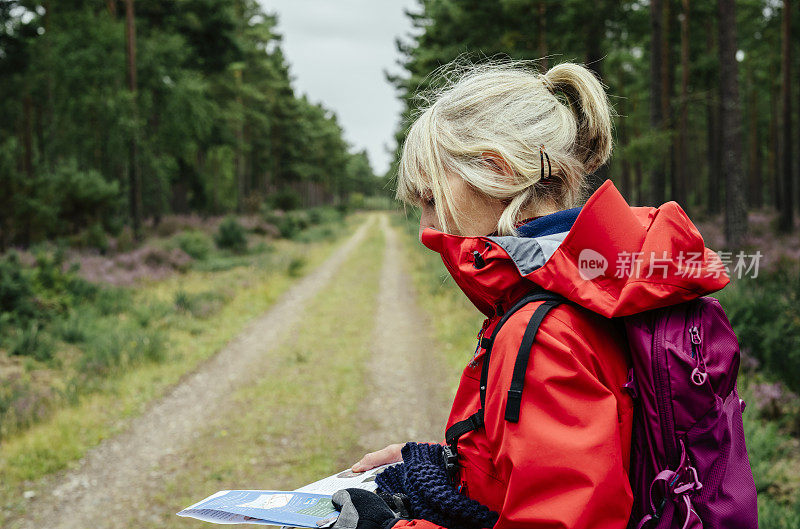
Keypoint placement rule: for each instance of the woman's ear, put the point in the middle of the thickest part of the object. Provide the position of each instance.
(497, 163)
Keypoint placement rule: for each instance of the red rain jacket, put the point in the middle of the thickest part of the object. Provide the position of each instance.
(565, 463)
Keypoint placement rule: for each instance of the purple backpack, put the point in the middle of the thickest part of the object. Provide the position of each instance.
(689, 466)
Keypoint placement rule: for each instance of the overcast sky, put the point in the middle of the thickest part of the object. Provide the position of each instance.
(337, 51)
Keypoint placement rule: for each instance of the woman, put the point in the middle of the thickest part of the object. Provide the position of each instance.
(498, 163)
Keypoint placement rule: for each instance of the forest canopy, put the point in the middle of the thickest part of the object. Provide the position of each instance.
(705, 91)
(114, 111)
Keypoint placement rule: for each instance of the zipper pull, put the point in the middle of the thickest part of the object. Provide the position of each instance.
(694, 333)
(698, 377)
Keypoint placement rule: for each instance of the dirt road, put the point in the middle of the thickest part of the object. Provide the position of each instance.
(108, 487)
(409, 400)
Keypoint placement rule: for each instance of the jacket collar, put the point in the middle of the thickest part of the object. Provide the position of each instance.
(593, 262)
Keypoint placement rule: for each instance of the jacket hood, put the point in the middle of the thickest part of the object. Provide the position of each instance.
(615, 260)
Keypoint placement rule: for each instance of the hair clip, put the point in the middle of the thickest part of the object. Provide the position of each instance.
(542, 154)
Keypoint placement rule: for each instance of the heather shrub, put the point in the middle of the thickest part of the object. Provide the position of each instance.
(42, 291)
(293, 222)
(16, 291)
(195, 243)
(231, 236)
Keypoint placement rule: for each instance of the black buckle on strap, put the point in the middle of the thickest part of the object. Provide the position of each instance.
(513, 404)
(450, 457)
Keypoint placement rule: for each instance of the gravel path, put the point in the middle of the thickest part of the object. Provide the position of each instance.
(104, 489)
(406, 398)
(409, 398)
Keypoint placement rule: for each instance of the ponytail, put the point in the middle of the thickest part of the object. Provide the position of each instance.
(585, 96)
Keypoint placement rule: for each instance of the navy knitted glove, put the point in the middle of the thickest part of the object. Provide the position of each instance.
(361, 509)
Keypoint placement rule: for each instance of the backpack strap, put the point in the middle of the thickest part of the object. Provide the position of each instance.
(476, 420)
(523, 355)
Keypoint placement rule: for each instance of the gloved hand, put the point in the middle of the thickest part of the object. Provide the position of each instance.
(362, 509)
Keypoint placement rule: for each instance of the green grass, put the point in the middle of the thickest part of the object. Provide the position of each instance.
(300, 420)
(96, 408)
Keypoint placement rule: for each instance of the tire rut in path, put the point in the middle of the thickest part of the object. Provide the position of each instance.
(106, 489)
(408, 391)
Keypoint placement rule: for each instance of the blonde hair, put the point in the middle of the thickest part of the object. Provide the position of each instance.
(507, 109)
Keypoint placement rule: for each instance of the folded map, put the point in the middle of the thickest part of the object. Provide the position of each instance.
(308, 506)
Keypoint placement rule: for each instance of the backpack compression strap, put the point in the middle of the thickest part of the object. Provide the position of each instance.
(476, 420)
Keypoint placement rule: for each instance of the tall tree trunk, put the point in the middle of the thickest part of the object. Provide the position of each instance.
(158, 190)
(179, 201)
(541, 22)
(786, 217)
(250, 175)
(755, 189)
(773, 142)
(276, 150)
(46, 107)
(27, 135)
(116, 167)
(594, 54)
(135, 189)
(735, 209)
(682, 163)
(712, 189)
(200, 163)
(637, 197)
(759, 169)
(714, 192)
(667, 96)
(41, 142)
(623, 137)
(241, 190)
(657, 177)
